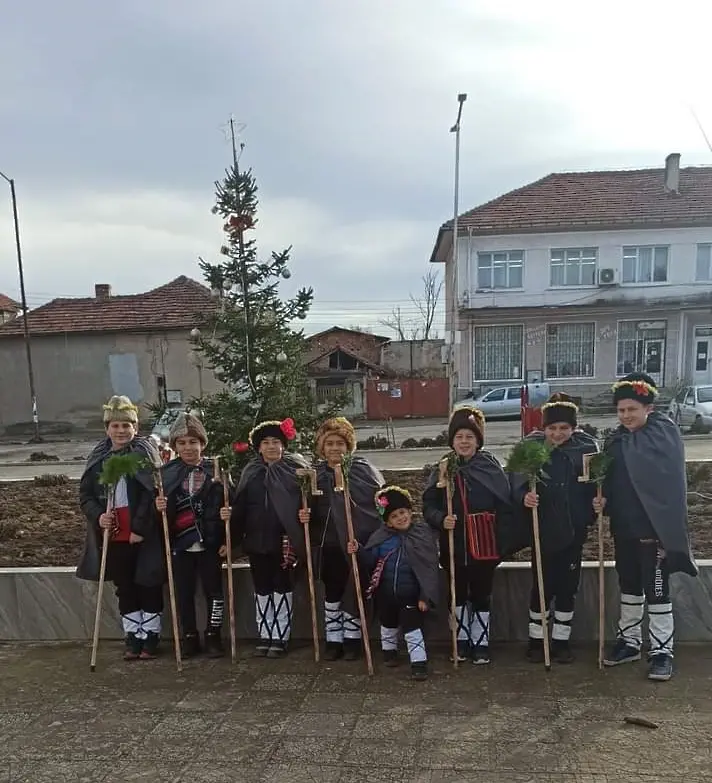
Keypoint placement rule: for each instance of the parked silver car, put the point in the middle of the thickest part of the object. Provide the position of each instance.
(163, 426)
(692, 405)
(505, 402)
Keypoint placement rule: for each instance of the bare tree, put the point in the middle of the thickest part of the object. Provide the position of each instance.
(427, 303)
(396, 322)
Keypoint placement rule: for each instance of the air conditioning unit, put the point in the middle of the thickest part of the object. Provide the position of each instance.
(608, 276)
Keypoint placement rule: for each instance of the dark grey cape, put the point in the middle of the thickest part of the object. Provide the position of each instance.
(90, 561)
(283, 491)
(654, 456)
(419, 545)
(175, 471)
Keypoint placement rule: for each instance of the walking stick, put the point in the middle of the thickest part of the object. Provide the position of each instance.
(307, 478)
(543, 608)
(100, 591)
(446, 480)
(228, 562)
(342, 485)
(169, 569)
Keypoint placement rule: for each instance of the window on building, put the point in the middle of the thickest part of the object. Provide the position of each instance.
(498, 353)
(645, 264)
(339, 360)
(641, 348)
(570, 350)
(500, 270)
(574, 266)
(704, 262)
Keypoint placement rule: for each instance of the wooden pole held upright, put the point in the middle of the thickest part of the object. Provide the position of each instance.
(228, 561)
(543, 608)
(444, 481)
(100, 591)
(601, 585)
(311, 474)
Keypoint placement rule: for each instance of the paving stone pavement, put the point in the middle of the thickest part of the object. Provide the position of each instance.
(294, 721)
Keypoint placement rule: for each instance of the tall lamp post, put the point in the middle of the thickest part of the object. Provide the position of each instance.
(455, 312)
(30, 373)
(197, 360)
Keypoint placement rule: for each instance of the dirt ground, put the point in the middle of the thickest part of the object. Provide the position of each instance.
(43, 526)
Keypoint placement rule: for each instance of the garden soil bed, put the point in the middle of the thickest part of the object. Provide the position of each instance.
(43, 526)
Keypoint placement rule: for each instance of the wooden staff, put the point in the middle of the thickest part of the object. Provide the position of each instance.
(341, 485)
(305, 473)
(444, 481)
(228, 560)
(169, 568)
(100, 591)
(543, 608)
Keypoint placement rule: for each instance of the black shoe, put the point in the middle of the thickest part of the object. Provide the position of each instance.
(535, 650)
(464, 651)
(134, 645)
(419, 671)
(277, 650)
(621, 652)
(660, 667)
(214, 644)
(480, 654)
(150, 646)
(261, 650)
(333, 651)
(352, 649)
(191, 645)
(390, 657)
(561, 651)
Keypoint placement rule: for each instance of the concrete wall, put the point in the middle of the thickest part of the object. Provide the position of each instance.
(422, 358)
(76, 373)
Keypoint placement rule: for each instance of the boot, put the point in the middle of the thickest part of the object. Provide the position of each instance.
(190, 646)
(214, 644)
(352, 649)
(535, 650)
(390, 658)
(150, 646)
(133, 647)
(419, 671)
(333, 651)
(561, 651)
(277, 650)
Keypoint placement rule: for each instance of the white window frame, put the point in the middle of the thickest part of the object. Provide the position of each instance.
(708, 247)
(497, 381)
(508, 264)
(637, 248)
(589, 255)
(546, 351)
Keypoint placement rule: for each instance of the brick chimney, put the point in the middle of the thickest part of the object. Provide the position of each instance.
(672, 173)
(102, 291)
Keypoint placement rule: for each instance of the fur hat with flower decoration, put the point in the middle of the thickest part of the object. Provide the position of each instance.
(467, 418)
(389, 499)
(336, 426)
(283, 430)
(187, 425)
(560, 408)
(120, 408)
(636, 386)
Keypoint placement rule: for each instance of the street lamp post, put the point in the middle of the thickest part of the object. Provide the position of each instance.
(196, 359)
(455, 312)
(30, 373)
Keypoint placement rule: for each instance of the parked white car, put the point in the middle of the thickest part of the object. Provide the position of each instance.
(692, 405)
(163, 426)
(505, 402)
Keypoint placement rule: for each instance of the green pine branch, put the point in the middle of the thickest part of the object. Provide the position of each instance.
(528, 457)
(121, 466)
(599, 466)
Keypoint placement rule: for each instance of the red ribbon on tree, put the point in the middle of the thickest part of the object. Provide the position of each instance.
(240, 447)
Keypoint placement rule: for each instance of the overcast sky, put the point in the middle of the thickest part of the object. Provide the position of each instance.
(111, 115)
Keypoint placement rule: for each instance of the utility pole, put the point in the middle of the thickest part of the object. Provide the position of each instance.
(455, 306)
(30, 372)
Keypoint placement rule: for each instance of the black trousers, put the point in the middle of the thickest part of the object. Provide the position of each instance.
(132, 597)
(334, 572)
(562, 574)
(641, 571)
(268, 576)
(473, 583)
(188, 568)
(396, 612)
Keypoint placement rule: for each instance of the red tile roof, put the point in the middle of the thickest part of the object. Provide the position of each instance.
(8, 305)
(179, 304)
(592, 200)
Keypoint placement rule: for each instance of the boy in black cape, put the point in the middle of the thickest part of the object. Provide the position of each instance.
(401, 560)
(266, 524)
(565, 515)
(192, 501)
(645, 496)
(334, 438)
(483, 524)
(135, 560)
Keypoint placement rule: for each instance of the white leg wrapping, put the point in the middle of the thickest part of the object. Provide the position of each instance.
(536, 627)
(333, 622)
(131, 622)
(389, 638)
(629, 625)
(661, 628)
(352, 626)
(282, 616)
(264, 616)
(462, 617)
(562, 626)
(416, 646)
(479, 628)
(217, 613)
(150, 623)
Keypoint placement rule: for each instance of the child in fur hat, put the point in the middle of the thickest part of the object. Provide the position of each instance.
(645, 495)
(335, 438)
(401, 559)
(482, 515)
(565, 515)
(135, 560)
(193, 497)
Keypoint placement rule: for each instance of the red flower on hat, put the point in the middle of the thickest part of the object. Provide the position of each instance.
(288, 428)
(641, 388)
(382, 501)
(240, 447)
